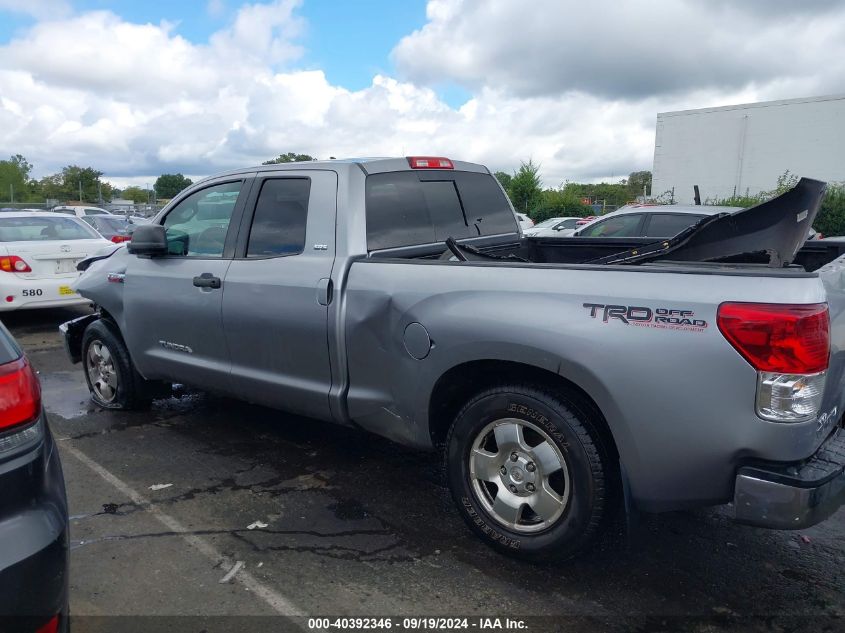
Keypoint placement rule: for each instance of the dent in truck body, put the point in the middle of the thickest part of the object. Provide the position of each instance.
(657, 401)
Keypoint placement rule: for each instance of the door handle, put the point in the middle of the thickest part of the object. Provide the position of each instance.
(324, 291)
(207, 280)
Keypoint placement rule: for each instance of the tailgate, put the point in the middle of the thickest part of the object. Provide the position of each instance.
(833, 404)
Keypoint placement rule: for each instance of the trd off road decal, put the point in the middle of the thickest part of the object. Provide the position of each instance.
(642, 316)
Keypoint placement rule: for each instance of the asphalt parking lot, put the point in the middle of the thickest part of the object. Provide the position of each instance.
(323, 521)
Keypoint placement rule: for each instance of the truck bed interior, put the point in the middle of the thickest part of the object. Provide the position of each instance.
(575, 250)
(772, 234)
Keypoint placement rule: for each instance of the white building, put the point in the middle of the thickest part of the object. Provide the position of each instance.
(742, 149)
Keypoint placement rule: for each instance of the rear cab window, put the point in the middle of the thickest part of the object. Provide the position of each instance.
(408, 208)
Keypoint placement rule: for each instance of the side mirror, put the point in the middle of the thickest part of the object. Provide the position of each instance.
(148, 240)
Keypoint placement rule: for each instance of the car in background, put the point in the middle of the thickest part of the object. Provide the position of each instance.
(38, 256)
(114, 228)
(33, 504)
(657, 221)
(524, 221)
(80, 211)
(553, 227)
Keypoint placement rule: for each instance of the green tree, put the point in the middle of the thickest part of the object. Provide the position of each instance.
(831, 218)
(637, 182)
(168, 185)
(14, 179)
(137, 194)
(604, 193)
(525, 192)
(558, 203)
(290, 157)
(66, 185)
(504, 179)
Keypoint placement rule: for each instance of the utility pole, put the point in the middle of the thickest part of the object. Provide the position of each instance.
(99, 193)
(80, 190)
(11, 192)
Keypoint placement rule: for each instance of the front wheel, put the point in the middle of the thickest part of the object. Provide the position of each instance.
(528, 472)
(113, 381)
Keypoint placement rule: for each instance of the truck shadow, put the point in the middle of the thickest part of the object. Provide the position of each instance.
(668, 563)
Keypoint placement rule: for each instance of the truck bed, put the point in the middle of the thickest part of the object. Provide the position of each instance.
(582, 251)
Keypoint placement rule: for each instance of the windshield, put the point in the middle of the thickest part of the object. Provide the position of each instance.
(39, 229)
(109, 223)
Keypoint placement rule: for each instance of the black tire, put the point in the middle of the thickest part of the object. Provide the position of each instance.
(585, 472)
(132, 391)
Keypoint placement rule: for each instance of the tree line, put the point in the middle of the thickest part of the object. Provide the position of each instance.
(524, 188)
(74, 182)
(84, 184)
(830, 220)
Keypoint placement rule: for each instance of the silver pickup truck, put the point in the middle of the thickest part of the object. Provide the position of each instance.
(563, 379)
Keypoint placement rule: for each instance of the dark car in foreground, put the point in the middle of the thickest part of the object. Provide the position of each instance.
(33, 505)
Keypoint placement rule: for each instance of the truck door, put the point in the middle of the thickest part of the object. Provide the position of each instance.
(275, 308)
(172, 305)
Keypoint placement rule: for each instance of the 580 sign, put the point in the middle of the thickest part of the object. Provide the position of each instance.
(32, 292)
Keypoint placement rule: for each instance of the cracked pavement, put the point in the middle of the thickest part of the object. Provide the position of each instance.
(359, 526)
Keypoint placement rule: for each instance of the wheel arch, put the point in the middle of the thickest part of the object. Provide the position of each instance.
(461, 382)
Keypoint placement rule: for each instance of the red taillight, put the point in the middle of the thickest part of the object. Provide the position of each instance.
(117, 239)
(788, 339)
(52, 626)
(20, 394)
(14, 264)
(430, 162)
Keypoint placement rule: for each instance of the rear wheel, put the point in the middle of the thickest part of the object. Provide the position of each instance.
(112, 379)
(527, 471)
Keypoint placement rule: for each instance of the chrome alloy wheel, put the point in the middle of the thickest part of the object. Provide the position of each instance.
(519, 475)
(101, 371)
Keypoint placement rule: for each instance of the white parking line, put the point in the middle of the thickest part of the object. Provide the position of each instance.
(274, 600)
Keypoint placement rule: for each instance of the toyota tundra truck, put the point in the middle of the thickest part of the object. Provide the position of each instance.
(562, 379)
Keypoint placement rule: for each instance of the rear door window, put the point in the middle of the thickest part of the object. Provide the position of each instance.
(409, 208)
(281, 212)
(669, 224)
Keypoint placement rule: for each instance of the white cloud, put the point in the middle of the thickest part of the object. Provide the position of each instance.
(630, 49)
(41, 9)
(137, 100)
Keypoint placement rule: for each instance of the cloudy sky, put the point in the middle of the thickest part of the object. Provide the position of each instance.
(137, 89)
